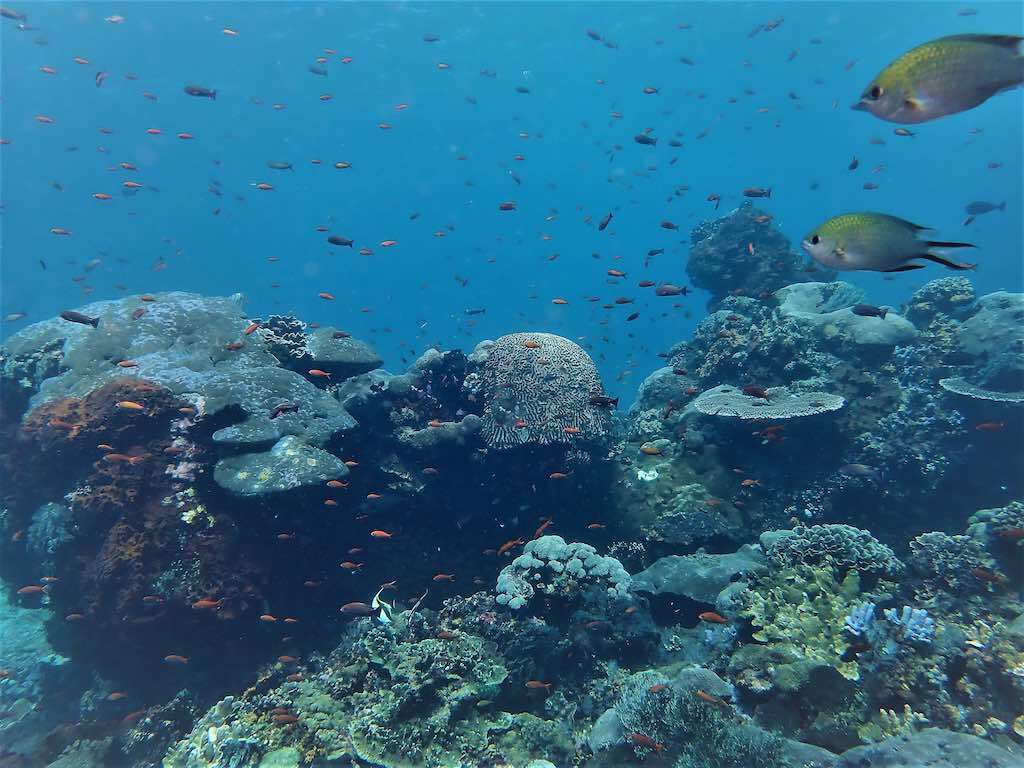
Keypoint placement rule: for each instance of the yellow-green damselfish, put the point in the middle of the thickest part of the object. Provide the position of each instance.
(876, 242)
(943, 77)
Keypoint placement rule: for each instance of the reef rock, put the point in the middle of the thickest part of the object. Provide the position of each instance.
(827, 308)
(996, 326)
(932, 747)
(343, 356)
(700, 576)
(181, 343)
(290, 464)
(39, 688)
(742, 253)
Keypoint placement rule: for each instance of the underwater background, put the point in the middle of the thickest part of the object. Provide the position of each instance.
(450, 384)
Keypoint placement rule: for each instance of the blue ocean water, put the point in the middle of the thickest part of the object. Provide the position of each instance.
(781, 525)
(451, 160)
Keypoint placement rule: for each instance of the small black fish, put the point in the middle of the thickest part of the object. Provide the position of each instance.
(604, 222)
(284, 408)
(475, 311)
(656, 252)
(853, 164)
(632, 317)
(603, 401)
(868, 310)
(853, 651)
(979, 207)
(757, 192)
(279, 165)
(645, 139)
(77, 317)
(317, 70)
(338, 240)
(861, 470)
(198, 90)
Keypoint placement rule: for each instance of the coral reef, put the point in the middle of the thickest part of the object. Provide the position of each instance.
(839, 546)
(742, 253)
(570, 573)
(537, 388)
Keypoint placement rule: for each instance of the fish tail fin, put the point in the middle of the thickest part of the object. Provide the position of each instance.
(615, 402)
(949, 244)
(882, 312)
(769, 195)
(1002, 205)
(95, 322)
(945, 262)
(213, 95)
(907, 267)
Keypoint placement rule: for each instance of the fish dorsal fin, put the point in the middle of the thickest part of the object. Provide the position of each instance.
(898, 220)
(386, 609)
(1003, 41)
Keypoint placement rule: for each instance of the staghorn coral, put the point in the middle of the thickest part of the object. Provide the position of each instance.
(544, 383)
(570, 572)
(837, 545)
(781, 403)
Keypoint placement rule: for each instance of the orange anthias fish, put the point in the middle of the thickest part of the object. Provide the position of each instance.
(705, 696)
(509, 546)
(713, 618)
(642, 740)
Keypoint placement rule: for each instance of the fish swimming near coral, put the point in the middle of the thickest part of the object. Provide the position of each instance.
(862, 470)
(943, 77)
(875, 242)
(77, 317)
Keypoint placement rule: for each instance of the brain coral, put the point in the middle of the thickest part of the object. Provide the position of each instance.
(841, 546)
(543, 383)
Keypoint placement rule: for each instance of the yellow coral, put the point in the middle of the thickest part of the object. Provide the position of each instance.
(805, 608)
(888, 723)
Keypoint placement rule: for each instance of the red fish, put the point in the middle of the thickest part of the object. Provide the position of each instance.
(713, 618)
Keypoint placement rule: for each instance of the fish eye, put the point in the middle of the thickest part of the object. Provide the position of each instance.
(815, 240)
(876, 92)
